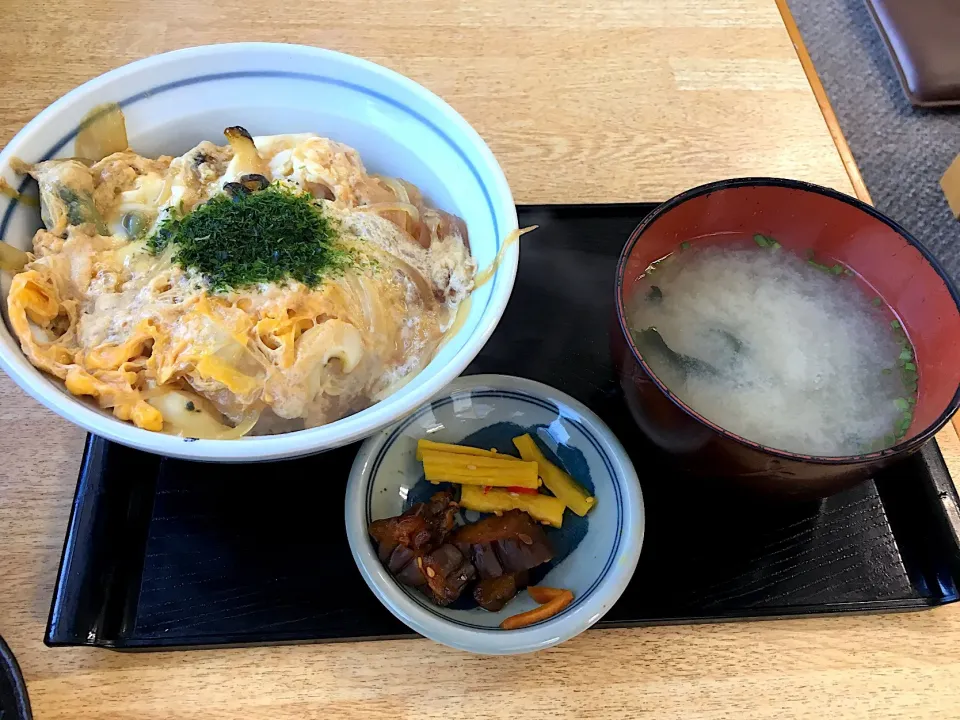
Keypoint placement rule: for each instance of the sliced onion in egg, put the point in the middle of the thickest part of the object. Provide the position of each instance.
(190, 415)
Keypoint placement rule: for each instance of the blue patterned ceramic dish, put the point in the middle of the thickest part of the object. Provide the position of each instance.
(595, 555)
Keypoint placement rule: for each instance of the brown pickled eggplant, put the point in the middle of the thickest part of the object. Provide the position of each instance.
(514, 539)
(421, 549)
(404, 544)
(503, 548)
(447, 573)
(495, 592)
(423, 526)
(486, 560)
(523, 552)
(404, 563)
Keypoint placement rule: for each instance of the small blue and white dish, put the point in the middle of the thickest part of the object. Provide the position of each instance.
(595, 555)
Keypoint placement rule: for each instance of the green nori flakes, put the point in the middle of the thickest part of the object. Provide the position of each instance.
(250, 237)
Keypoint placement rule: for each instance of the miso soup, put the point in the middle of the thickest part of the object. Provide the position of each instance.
(788, 352)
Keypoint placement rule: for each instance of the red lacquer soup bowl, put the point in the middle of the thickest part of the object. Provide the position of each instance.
(836, 229)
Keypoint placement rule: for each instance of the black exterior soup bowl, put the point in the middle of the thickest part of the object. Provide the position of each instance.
(881, 255)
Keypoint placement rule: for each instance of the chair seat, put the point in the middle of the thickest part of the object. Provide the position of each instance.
(923, 37)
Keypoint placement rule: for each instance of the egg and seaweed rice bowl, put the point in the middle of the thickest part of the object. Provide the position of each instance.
(266, 285)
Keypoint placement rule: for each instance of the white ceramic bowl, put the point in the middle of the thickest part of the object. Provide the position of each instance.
(173, 101)
(487, 411)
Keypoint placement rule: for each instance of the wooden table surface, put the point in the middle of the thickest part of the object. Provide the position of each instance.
(604, 101)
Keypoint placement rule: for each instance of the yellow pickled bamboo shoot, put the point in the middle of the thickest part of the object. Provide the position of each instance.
(557, 481)
(478, 470)
(457, 449)
(542, 508)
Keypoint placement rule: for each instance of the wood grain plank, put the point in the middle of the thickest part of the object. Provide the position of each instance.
(581, 101)
(829, 116)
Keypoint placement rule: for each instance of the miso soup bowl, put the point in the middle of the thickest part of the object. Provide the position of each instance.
(838, 229)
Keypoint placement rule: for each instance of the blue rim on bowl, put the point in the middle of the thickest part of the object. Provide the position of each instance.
(603, 557)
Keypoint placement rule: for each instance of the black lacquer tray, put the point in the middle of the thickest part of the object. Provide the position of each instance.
(164, 553)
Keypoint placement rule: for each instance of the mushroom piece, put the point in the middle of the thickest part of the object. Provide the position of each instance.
(245, 155)
(245, 185)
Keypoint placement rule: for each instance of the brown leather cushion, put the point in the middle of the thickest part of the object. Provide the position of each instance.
(923, 37)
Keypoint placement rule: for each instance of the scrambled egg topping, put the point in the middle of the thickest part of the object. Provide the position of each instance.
(152, 341)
